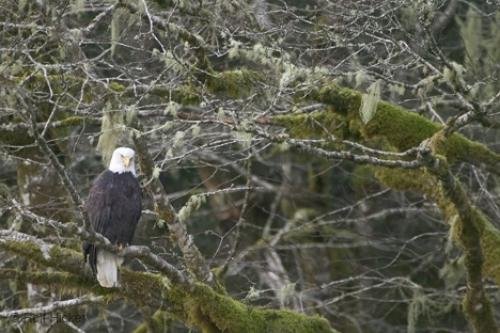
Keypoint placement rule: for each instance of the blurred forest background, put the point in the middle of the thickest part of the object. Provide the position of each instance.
(307, 166)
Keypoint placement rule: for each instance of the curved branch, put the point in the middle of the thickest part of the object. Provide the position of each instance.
(199, 306)
(165, 211)
(467, 230)
(51, 307)
(142, 252)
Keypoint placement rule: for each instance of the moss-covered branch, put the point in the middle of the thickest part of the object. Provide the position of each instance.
(17, 133)
(142, 252)
(467, 233)
(395, 128)
(54, 278)
(392, 127)
(198, 306)
(423, 182)
(155, 323)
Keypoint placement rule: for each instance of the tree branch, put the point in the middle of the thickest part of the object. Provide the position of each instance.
(165, 211)
(51, 307)
(198, 306)
(142, 252)
(476, 304)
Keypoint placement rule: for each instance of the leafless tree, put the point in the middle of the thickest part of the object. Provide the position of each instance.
(306, 166)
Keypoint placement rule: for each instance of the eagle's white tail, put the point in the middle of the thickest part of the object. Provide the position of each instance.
(107, 264)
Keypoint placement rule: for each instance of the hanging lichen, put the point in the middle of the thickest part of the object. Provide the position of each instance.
(480, 38)
(369, 102)
(417, 307)
(112, 130)
(471, 30)
(78, 6)
(121, 20)
(193, 204)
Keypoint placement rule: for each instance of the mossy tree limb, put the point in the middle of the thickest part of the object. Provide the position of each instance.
(198, 306)
(467, 232)
(395, 128)
(155, 323)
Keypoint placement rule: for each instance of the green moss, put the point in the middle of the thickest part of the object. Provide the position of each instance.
(405, 180)
(392, 127)
(53, 256)
(422, 182)
(490, 245)
(476, 304)
(15, 138)
(143, 287)
(116, 87)
(314, 125)
(228, 315)
(401, 129)
(477, 308)
(10, 131)
(344, 100)
(225, 314)
(185, 95)
(198, 305)
(363, 180)
(209, 311)
(234, 83)
(458, 147)
(287, 321)
(48, 278)
(157, 323)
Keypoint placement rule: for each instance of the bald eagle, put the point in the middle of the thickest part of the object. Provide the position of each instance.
(114, 208)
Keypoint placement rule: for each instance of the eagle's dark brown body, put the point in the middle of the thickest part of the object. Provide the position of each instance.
(114, 208)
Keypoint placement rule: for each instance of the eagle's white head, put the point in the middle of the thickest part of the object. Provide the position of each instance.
(122, 160)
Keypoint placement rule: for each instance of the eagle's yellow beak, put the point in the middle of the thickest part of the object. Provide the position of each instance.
(126, 161)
